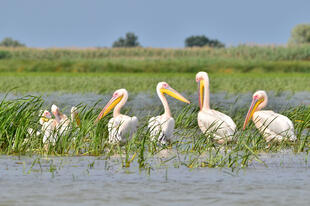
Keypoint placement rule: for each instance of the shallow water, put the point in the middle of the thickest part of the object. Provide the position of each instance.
(75, 181)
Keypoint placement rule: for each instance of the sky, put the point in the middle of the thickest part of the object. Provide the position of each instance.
(157, 23)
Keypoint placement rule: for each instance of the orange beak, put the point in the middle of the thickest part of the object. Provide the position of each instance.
(201, 86)
(252, 109)
(109, 106)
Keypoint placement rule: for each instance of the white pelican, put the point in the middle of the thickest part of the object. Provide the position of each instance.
(51, 128)
(272, 125)
(161, 127)
(75, 116)
(221, 126)
(63, 122)
(120, 127)
(45, 116)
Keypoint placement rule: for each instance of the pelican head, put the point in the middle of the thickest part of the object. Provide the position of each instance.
(164, 88)
(45, 116)
(202, 78)
(74, 110)
(118, 95)
(259, 100)
(55, 110)
(58, 115)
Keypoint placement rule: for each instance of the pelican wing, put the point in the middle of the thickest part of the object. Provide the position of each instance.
(161, 128)
(49, 131)
(121, 128)
(274, 125)
(221, 125)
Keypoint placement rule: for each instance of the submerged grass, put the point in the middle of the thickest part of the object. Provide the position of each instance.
(102, 83)
(191, 148)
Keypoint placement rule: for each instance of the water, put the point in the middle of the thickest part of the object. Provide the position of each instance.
(95, 181)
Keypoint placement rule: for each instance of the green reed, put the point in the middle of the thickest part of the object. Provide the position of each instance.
(257, 52)
(190, 148)
(103, 83)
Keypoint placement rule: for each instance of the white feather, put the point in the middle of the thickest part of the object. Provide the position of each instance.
(217, 123)
(161, 128)
(121, 128)
(274, 126)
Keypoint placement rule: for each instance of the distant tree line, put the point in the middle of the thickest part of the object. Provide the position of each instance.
(9, 42)
(130, 40)
(202, 40)
(300, 34)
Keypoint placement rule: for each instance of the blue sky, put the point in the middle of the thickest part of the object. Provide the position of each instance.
(158, 23)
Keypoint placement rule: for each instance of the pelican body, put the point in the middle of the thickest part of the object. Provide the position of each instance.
(45, 116)
(52, 128)
(49, 126)
(161, 127)
(120, 127)
(221, 126)
(273, 126)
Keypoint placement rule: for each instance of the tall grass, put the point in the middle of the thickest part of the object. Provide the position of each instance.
(241, 58)
(245, 52)
(191, 148)
(140, 82)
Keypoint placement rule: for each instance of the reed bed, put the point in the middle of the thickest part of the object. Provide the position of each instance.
(191, 148)
(241, 58)
(104, 83)
(245, 52)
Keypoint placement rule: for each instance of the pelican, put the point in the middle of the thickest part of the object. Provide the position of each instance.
(161, 127)
(221, 126)
(45, 116)
(272, 125)
(75, 116)
(51, 128)
(120, 127)
(63, 122)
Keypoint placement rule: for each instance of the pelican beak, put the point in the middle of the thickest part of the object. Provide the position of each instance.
(45, 119)
(173, 93)
(110, 105)
(252, 109)
(201, 86)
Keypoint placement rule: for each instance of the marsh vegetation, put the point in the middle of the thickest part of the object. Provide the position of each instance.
(242, 58)
(190, 147)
